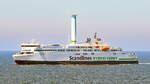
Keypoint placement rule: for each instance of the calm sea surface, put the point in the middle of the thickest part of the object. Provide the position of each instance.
(74, 74)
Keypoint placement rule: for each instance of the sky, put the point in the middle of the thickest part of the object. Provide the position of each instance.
(124, 23)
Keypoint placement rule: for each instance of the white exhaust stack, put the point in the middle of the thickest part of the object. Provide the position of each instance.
(73, 29)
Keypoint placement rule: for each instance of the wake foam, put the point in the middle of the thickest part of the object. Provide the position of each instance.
(144, 63)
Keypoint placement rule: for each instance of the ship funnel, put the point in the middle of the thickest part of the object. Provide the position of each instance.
(73, 29)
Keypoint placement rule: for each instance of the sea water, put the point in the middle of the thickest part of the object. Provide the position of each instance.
(74, 74)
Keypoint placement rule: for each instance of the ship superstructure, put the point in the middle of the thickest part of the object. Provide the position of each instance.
(91, 52)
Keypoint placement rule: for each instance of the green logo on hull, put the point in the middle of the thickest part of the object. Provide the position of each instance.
(104, 58)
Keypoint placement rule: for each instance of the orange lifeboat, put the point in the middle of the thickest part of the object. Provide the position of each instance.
(105, 48)
(96, 46)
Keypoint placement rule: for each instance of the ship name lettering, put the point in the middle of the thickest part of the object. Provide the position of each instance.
(80, 58)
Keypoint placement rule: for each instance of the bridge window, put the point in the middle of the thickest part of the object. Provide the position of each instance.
(30, 45)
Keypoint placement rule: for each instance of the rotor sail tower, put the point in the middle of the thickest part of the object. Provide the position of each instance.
(73, 29)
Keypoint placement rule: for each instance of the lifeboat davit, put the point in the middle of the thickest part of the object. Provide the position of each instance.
(96, 46)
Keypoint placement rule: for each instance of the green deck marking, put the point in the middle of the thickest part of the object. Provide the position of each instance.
(74, 41)
(128, 58)
(104, 58)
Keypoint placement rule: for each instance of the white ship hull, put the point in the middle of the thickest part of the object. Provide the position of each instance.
(47, 57)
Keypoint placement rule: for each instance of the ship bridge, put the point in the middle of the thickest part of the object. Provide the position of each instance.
(29, 47)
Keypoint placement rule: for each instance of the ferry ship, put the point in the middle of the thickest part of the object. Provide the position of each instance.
(92, 52)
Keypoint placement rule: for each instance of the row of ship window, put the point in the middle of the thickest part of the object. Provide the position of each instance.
(71, 50)
(93, 53)
(84, 53)
(75, 54)
(68, 50)
(30, 45)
